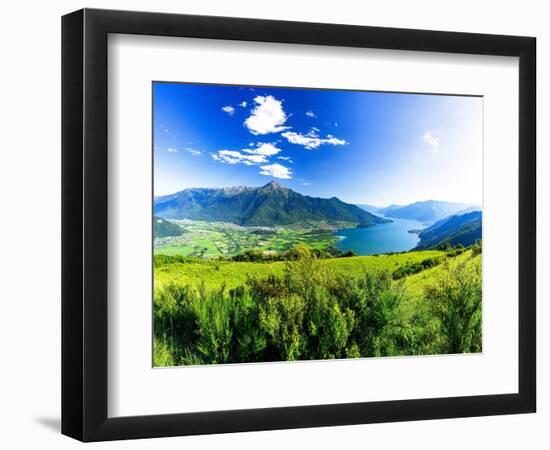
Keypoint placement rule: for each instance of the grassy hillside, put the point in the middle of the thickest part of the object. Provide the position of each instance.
(304, 309)
(416, 283)
(215, 273)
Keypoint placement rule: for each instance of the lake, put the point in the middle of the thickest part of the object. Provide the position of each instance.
(383, 238)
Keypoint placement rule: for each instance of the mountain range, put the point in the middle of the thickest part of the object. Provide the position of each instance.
(268, 205)
(462, 229)
(370, 208)
(429, 211)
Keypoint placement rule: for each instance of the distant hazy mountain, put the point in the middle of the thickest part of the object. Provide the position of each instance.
(467, 210)
(428, 211)
(164, 228)
(462, 229)
(267, 205)
(388, 209)
(369, 208)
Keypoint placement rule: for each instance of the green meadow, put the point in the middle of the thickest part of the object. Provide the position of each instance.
(215, 274)
(411, 303)
(211, 240)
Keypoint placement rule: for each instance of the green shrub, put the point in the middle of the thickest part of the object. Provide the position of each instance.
(458, 249)
(249, 340)
(175, 318)
(214, 321)
(476, 248)
(309, 313)
(281, 318)
(411, 268)
(298, 252)
(455, 299)
(163, 354)
(162, 260)
(250, 256)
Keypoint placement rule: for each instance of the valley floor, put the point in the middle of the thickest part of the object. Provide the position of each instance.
(221, 239)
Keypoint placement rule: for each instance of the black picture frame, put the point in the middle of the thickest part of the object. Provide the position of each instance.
(84, 224)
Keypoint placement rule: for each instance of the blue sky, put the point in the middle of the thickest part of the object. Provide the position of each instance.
(362, 147)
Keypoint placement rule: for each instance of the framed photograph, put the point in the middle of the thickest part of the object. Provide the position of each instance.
(273, 224)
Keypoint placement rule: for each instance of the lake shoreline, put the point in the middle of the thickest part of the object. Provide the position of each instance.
(396, 236)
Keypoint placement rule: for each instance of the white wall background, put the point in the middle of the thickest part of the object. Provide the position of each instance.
(30, 224)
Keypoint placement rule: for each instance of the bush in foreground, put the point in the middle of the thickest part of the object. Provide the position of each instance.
(455, 299)
(310, 313)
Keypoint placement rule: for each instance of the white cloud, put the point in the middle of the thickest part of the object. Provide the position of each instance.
(166, 130)
(193, 151)
(431, 140)
(243, 104)
(247, 156)
(172, 150)
(254, 159)
(229, 110)
(235, 157)
(276, 171)
(306, 183)
(310, 114)
(285, 158)
(312, 140)
(265, 149)
(334, 140)
(267, 117)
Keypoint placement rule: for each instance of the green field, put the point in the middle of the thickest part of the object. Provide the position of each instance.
(216, 273)
(220, 239)
(212, 312)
